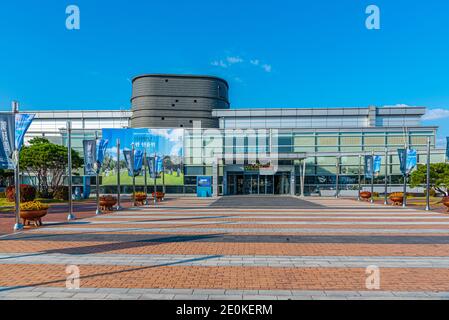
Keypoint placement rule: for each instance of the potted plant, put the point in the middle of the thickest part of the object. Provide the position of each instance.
(140, 197)
(159, 196)
(397, 198)
(365, 195)
(33, 211)
(107, 202)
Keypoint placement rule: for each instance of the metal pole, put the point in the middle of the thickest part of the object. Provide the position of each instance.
(404, 201)
(360, 177)
(337, 176)
(163, 178)
(303, 177)
(372, 177)
(97, 179)
(428, 176)
(134, 176)
(386, 177)
(145, 175)
(18, 226)
(118, 176)
(71, 216)
(155, 178)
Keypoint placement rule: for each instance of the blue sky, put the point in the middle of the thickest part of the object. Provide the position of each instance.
(273, 53)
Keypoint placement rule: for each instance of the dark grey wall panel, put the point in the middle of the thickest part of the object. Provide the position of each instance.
(160, 100)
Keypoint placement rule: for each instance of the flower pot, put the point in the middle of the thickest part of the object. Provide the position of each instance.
(33, 216)
(159, 196)
(397, 199)
(365, 195)
(140, 199)
(107, 203)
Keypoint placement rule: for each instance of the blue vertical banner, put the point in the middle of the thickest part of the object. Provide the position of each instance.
(377, 164)
(23, 122)
(7, 124)
(138, 161)
(101, 152)
(155, 166)
(408, 160)
(402, 155)
(411, 160)
(89, 148)
(369, 167)
(447, 147)
(127, 154)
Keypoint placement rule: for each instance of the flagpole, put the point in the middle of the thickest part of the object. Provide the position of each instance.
(372, 177)
(155, 178)
(70, 216)
(145, 175)
(428, 176)
(18, 226)
(360, 177)
(404, 198)
(386, 177)
(118, 208)
(337, 176)
(134, 176)
(97, 171)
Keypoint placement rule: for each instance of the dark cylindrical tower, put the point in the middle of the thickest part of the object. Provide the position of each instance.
(170, 101)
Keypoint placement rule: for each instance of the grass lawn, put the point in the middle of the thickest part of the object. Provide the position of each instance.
(170, 180)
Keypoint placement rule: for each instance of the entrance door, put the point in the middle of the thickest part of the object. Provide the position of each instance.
(251, 184)
(282, 183)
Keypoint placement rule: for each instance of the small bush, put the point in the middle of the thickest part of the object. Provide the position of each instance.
(2, 195)
(44, 195)
(27, 193)
(61, 193)
(376, 194)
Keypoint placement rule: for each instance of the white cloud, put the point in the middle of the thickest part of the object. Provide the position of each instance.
(219, 63)
(234, 60)
(266, 67)
(436, 114)
(254, 62)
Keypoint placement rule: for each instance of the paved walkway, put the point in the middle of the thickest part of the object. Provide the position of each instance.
(190, 248)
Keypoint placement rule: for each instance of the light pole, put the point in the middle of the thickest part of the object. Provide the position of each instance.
(386, 177)
(337, 176)
(134, 176)
(70, 216)
(428, 176)
(155, 178)
(145, 175)
(360, 177)
(372, 177)
(118, 176)
(18, 226)
(97, 176)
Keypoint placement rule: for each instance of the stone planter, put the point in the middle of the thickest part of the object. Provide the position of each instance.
(140, 199)
(365, 195)
(34, 216)
(107, 203)
(159, 196)
(397, 198)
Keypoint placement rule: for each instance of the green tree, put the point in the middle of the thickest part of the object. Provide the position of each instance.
(48, 163)
(439, 177)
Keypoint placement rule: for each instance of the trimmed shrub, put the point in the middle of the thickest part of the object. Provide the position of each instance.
(2, 195)
(27, 193)
(61, 193)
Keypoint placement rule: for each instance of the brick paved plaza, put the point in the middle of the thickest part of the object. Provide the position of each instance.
(234, 248)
